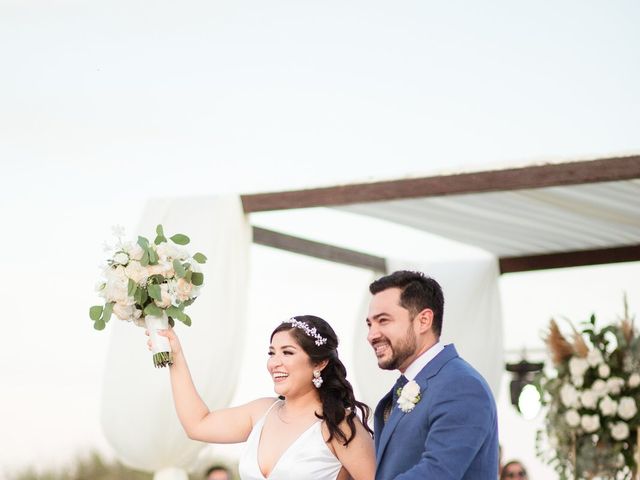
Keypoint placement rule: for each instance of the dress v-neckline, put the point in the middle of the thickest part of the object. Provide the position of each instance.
(287, 450)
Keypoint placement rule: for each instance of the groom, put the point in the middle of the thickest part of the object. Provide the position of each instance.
(442, 424)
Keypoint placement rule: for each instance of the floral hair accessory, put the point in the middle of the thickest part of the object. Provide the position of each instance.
(309, 331)
(408, 396)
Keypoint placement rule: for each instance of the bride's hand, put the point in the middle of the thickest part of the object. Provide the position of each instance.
(176, 349)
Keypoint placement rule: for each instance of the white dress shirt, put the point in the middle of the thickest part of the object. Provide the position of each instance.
(420, 362)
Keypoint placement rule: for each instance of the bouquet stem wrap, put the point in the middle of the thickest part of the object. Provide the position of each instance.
(159, 344)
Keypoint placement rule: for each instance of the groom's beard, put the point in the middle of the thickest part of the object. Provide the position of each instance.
(401, 350)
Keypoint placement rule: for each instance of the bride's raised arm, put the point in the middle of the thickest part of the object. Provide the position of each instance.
(229, 425)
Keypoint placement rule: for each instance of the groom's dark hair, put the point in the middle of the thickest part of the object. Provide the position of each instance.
(418, 292)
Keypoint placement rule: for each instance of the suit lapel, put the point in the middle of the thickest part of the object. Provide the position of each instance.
(422, 379)
(378, 417)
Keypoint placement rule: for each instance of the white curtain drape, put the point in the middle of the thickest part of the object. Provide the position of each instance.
(138, 417)
(472, 321)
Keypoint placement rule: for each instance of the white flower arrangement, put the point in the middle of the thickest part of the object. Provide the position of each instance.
(592, 398)
(408, 396)
(147, 282)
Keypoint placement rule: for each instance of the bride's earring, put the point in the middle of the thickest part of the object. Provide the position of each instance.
(317, 379)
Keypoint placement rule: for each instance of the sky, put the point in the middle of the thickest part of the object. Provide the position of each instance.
(106, 105)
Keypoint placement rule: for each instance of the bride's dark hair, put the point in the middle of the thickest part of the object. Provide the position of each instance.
(336, 393)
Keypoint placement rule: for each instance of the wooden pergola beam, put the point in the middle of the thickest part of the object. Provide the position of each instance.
(540, 176)
(570, 259)
(323, 251)
(527, 263)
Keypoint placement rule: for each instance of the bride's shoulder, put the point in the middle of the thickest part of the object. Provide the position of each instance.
(260, 406)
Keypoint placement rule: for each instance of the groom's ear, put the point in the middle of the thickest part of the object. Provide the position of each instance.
(425, 320)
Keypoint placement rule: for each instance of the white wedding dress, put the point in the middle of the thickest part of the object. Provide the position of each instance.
(308, 457)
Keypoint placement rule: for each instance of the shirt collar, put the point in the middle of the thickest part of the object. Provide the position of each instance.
(420, 362)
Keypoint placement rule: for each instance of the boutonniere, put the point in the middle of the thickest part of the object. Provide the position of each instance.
(408, 396)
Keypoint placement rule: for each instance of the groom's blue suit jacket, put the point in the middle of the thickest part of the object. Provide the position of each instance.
(452, 433)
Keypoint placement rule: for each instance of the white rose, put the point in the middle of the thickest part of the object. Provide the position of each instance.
(572, 418)
(578, 366)
(627, 408)
(594, 358)
(136, 272)
(599, 387)
(167, 270)
(604, 371)
(568, 395)
(121, 257)
(183, 290)
(577, 381)
(634, 380)
(123, 311)
(620, 430)
(117, 284)
(590, 423)
(134, 250)
(169, 251)
(588, 399)
(614, 385)
(138, 319)
(405, 405)
(410, 391)
(608, 406)
(166, 297)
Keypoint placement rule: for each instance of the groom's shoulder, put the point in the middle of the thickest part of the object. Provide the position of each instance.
(457, 368)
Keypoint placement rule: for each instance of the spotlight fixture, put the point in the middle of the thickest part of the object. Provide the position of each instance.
(524, 396)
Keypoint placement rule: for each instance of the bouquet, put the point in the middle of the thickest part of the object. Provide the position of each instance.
(149, 284)
(592, 400)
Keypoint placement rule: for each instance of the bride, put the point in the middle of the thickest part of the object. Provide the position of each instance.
(312, 431)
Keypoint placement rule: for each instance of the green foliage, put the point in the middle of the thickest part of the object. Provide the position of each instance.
(200, 258)
(95, 312)
(197, 278)
(179, 268)
(160, 238)
(582, 399)
(180, 239)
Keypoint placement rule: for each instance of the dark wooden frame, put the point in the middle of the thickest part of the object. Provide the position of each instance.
(539, 176)
(323, 251)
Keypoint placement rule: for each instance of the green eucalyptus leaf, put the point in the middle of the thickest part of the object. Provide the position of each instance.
(99, 325)
(200, 258)
(187, 320)
(95, 312)
(187, 276)
(180, 239)
(143, 242)
(153, 310)
(197, 278)
(153, 256)
(144, 261)
(159, 235)
(137, 296)
(155, 292)
(106, 313)
(179, 268)
(175, 312)
(157, 279)
(131, 288)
